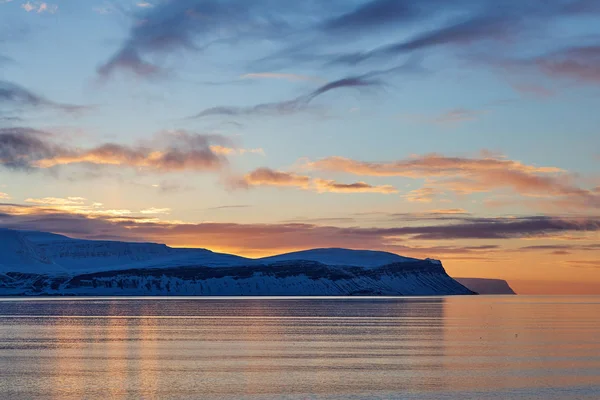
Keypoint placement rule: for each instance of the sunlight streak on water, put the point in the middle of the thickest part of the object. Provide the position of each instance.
(300, 348)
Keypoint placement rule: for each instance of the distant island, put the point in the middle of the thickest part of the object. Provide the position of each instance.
(487, 286)
(41, 263)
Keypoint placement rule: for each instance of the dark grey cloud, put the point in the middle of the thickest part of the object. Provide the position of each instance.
(14, 96)
(376, 14)
(195, 25)
(289, 106)
(20, 146)
(370, 79)
(257, 236)
(467, 31)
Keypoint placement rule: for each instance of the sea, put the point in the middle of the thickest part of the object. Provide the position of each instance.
(461, 347)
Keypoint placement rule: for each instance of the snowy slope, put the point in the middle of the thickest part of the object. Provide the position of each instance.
(19, 254)
(36, 263)
(336, 256)
(80, 256)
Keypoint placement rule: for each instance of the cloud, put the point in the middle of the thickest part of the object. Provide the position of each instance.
(565, 247)
(217, 149)
(279, 236)
(229, 207)
(298, 104)
(422, 195)
(57, 201)
(532, 89)
(458, 115)
(39, 7)
(449, 211)
(323, 185)
(477, 28)
(144, 4)
(155, 211)
(4, 196)
(585, 263)
(464, 175)
(578, 63)
(278, 75)
(24, 148)
(14, 95)
(72, 206)
(170, 186)
(269, 177)
(375, 14)
(192, 25)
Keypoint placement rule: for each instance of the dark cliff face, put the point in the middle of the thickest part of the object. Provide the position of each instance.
(311, 269)
(487, 286)
(282, 278)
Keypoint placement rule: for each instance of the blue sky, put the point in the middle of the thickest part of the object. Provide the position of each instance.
(231, 112)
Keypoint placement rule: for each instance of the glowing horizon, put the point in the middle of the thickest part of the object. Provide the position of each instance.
(459, 133)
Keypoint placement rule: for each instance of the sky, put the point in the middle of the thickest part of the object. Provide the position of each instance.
(465, 131)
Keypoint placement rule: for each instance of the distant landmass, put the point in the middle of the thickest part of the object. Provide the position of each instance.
(486, 286)
(41, 263)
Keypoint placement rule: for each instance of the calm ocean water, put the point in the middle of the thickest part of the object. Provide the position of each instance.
(298, 348)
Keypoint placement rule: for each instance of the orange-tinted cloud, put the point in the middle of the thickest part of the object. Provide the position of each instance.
(449, 211)
(24, 148)
(218, 149)
(468, 175)
(423, 195)
(323, 185)
(270, 177)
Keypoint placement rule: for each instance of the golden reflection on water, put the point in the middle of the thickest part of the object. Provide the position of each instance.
(461, 347)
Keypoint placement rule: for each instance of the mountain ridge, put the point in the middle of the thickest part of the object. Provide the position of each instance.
(89, 267)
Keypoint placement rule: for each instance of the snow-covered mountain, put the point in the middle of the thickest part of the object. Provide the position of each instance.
(36, 263)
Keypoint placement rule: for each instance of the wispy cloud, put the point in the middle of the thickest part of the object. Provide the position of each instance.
(579, 63)
(39, 7)
(193, 24)
(290, 106)
(4, 196)
(533, 90)
(324, 185)
(423, 195)
(14, 95)
(57, 201)
(155, 211)
(450, 117)
(279, 75)
(217, 149)
(230, 207)
(458, 115)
